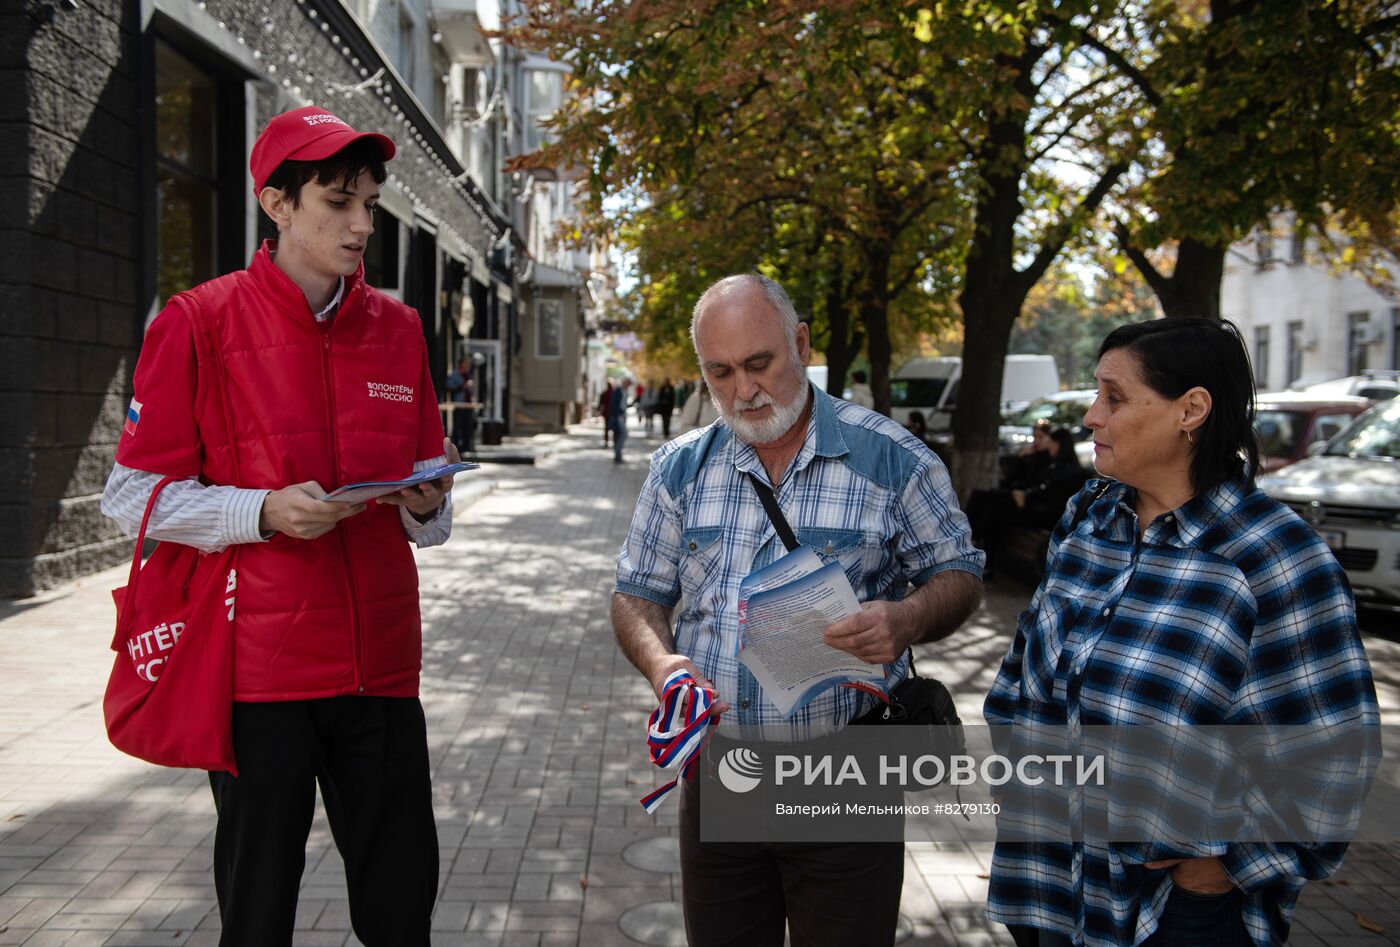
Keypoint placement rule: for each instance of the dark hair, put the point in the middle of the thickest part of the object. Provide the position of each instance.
(1064, 448)
(1178, 354)
(859, 377)
(344, 166)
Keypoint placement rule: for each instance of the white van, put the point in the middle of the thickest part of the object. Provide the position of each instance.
(930, 385)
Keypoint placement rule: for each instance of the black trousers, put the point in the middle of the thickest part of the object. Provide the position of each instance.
(370, 756)
(1190, 920)
(829, 894)
(464, 429)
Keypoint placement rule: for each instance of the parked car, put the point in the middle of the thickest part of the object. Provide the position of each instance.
(1350, 493)
(1376, 384)
(1289, 423)
(1062, 409)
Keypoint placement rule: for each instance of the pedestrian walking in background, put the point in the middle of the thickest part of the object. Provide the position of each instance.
(666, 406)
(327, 383)
(700, 528)
(604, 406)
(616, 417)
(650, 398)
(1178, 594)
(699, 409)
(860, 391)
(461, 390)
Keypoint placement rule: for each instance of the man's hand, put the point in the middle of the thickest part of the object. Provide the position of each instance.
(665, 667)
(878, 634)
(1196, 875)
(299, 512)
(643, 631)
(423, 499)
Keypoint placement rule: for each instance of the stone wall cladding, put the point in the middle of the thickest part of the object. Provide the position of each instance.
(70, 316)
(67, 284)
(309, 62)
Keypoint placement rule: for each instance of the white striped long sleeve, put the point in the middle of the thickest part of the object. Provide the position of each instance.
(188, 512)
(212, 518)
(436, 530)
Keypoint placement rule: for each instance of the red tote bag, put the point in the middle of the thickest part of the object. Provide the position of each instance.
(169, 699)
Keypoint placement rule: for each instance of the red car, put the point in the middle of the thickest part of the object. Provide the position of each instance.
(1288, 423)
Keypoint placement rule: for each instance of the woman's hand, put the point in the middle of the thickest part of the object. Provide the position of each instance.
(1196, 875)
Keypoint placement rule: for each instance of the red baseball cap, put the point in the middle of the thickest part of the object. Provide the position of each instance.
(305, 134)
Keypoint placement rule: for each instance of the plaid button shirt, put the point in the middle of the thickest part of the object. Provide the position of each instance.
(862, 491)
(1228, 610)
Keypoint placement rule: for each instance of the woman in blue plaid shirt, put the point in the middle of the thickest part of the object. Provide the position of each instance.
(1176, 593)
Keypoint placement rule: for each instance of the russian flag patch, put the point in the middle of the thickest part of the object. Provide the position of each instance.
(133, 417)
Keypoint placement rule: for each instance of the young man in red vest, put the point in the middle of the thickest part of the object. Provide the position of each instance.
(265, 389)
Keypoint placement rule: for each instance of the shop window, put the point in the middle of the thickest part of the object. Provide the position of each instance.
(382, 252)
(1360, 335)
(549, 329)
(1295, 352)
(542, 95)
(186, 173)
(1261, 357)
(200, 177)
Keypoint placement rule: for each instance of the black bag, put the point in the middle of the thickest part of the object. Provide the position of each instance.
(924, 702)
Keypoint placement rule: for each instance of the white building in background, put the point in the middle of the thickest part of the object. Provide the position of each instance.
(526, 333)
(1304, 323)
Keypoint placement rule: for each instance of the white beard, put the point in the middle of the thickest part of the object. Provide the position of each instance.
(761, 432)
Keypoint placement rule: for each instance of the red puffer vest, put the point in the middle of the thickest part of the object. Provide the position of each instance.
(334, 402)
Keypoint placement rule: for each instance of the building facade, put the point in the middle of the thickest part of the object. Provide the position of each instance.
(128, 125)
(1303, 322)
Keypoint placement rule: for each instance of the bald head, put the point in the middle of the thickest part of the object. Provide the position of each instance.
(753, 293)
(753, 352)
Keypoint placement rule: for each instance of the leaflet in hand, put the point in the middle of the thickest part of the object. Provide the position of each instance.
(369, 489)
(783, 610)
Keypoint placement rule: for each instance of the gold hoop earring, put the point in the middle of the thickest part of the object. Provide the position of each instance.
(1189, 438)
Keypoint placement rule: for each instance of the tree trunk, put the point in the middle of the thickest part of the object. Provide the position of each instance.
(875, 316)
(840, 351)
(994, 290)
(987, 323)
(1196, 281)
(1193, 288)
(990, 300)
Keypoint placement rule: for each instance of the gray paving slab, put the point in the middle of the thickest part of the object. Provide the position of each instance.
(535, 729)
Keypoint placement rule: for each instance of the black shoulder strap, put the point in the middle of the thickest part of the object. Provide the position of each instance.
(775, 515)
(1086, 500)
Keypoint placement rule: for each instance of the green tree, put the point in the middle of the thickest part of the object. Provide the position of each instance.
(1067, 319)
(1258, 106)
(1051, 104)
(824, 123)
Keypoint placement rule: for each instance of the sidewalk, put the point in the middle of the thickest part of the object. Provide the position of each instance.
(536, 726)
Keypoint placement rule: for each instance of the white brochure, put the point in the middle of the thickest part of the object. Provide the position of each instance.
(783, 610)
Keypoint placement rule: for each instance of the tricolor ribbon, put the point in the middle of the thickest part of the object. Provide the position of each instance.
(677, 730)
(867, 688)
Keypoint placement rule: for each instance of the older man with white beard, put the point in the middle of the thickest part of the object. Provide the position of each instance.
(857, 489)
